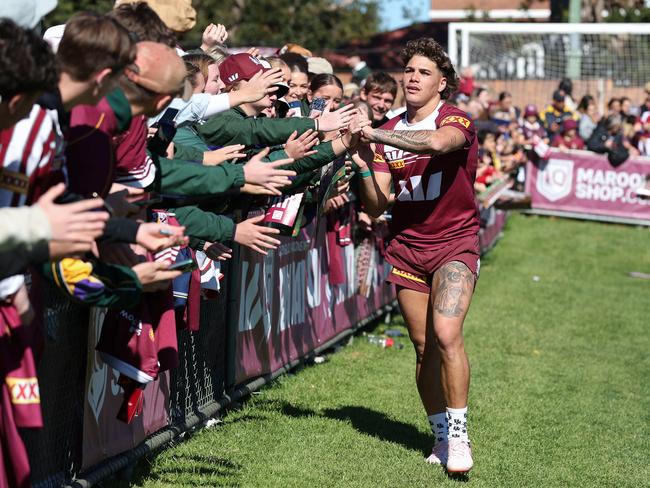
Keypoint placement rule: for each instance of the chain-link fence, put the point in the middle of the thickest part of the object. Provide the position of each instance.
(55, 450)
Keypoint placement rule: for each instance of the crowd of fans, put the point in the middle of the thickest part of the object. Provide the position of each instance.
(509, 137)
(129, 166)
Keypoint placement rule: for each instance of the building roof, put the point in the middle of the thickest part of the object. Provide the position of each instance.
(496, 9)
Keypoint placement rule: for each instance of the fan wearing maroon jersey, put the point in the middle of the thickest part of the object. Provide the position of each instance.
(430, 153)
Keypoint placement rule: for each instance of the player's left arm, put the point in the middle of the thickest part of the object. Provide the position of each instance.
(444, 140)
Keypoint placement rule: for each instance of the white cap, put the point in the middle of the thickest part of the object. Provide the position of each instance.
(53, 36)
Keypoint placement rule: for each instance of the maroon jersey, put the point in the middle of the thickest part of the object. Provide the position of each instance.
(434, 194)
(141, 342)
(574, 143)
(112, 116)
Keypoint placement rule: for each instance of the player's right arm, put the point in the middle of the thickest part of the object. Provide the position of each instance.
(375, 187)
(440, 141)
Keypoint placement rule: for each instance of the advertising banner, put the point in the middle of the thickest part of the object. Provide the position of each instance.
(288, 305)
(582, 182)
(492, 223)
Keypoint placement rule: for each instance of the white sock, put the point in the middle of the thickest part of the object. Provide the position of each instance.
(457, 423)
(438, 422)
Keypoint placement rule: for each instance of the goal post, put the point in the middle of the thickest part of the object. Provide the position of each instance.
(529, 59)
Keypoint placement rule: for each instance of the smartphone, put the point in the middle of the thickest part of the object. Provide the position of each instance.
(184, 265)
(317, 107)
(163, 136)
(166, 130)
(168, 116)
(154, 199)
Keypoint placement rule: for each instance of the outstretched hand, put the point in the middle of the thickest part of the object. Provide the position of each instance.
(155, 237)
(251, 234)
(268, 175)
(226, 153)
(339, 119)
(154, 275)
(300, 147)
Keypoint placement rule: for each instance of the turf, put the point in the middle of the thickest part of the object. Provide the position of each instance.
(560, 392)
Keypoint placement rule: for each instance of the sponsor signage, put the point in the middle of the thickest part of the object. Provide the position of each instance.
(287, 306)
(582, 182)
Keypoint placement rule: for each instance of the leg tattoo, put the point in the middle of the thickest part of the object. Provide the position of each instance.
(456, 285)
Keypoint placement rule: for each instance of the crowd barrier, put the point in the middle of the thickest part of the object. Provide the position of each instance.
(582, 184)
(272, 313)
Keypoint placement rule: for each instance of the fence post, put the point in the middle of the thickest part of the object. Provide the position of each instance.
(232, 282)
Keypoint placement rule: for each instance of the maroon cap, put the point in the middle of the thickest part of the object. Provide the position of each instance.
(239, 67)
(530, 110)
(568, 125)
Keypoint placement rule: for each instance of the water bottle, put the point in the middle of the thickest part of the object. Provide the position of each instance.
(383, 342)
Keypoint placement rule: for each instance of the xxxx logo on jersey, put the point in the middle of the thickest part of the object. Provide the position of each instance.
(23, 391)
(395, 159)
(392, 164)
(450, 119)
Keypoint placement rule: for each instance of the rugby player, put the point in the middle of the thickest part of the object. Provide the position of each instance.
(430, 153)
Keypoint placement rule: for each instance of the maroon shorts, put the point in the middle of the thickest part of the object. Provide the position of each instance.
(414, 268)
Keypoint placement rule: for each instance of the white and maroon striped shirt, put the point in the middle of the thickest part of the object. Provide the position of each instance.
(28, 150)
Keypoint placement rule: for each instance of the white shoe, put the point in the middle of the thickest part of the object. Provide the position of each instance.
(459, 457)
(438, 454)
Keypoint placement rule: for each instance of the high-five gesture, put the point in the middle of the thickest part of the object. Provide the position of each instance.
(336, 120)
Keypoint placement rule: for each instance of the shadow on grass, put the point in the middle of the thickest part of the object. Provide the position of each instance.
(457, 477)
(188, 469)
(364, 420)
(378, 425)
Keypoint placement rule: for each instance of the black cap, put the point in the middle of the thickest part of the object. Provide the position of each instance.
(558, 96)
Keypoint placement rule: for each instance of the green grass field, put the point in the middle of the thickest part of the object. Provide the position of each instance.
(560, 393)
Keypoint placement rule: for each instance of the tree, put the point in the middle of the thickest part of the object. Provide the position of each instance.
(314, 24)
(603, 11)
(67, 8)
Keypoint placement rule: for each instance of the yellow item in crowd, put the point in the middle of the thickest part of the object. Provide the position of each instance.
(178, 15)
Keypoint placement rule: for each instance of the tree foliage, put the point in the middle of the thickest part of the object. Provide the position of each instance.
(603, 11)
(67, 8)
(315, 24)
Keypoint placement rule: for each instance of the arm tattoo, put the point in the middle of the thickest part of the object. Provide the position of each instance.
(415, 141)
(454, 290)
(457, 140)
(420, 141)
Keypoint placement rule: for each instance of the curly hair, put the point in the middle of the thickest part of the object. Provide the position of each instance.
(27, 64)
(427, 47)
